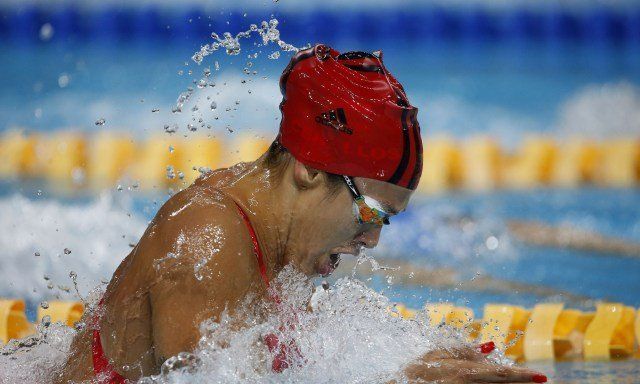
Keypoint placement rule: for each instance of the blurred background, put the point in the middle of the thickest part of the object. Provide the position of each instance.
(529, 110)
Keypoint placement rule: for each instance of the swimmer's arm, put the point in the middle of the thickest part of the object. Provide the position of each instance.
(465, 365)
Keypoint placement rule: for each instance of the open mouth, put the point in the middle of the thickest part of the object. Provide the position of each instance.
(328, 268)
(335, 260)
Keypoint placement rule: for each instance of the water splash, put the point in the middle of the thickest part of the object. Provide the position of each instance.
(349, 336)
(268, 30)
(38, 358)
(231, 45)
(42, 240)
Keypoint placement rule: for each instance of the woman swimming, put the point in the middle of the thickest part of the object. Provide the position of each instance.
(347, 158)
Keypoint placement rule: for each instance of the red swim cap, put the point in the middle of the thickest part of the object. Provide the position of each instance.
(346, 114)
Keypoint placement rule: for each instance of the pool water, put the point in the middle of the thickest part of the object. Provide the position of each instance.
(507, 91)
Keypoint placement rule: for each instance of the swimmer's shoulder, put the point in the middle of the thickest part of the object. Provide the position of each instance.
(200, 231)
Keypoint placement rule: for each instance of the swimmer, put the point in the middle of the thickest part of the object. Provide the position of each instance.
(347, 158)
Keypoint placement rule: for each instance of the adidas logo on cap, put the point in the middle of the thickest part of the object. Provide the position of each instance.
(335, 118)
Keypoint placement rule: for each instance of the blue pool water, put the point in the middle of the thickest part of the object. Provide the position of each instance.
(504, 89)
(579, 275)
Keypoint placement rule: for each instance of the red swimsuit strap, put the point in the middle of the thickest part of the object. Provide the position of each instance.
(256, 247)
(101, 366)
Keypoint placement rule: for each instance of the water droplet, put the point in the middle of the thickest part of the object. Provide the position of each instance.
(492, 243)
(100, 121)
(37, 254)
(46, 32)
(44, 305)
(170, 172)
(46, 320)
(67, 251)
(63, 80)
(155, 110)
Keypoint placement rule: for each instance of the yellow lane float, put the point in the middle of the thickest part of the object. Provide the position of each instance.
(64, 158)
(66, 312)
(548, 332)
(504, 325)
(246, 147)
(480, 164)
(18, 154)
(13, 321)
(575, 163)
(441, 165)
(619, 165)
(438, 313)
(200, 153)
(637, 329)
(109, 158)
(531, 166)
(158, 161)
(554, 332)
(610, 333)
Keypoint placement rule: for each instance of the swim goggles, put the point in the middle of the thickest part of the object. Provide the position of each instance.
(367, 209)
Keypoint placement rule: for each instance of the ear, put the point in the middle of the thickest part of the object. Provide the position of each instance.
(306, 177)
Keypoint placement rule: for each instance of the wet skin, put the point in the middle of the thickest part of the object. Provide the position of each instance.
(196, 259)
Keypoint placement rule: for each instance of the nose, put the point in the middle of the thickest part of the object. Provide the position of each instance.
(370, 237)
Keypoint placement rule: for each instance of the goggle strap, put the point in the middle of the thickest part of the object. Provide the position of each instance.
(351, 185)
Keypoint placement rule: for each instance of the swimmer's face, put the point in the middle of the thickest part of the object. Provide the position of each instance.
(335, 230)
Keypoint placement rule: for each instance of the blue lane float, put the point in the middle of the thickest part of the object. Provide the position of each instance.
(600, 25)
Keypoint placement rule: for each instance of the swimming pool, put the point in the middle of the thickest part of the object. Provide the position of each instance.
(507, 90)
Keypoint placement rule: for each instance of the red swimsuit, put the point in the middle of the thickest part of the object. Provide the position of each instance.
(107, 375)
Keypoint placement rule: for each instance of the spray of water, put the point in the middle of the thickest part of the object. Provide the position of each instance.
(268, 31)
(349, 335)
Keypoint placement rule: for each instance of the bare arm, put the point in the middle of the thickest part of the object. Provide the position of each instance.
(207, 268)
(466, 365)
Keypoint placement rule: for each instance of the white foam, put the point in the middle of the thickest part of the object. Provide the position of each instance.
(97, 234)
(602, 111)
(35, 359)
(349, 337)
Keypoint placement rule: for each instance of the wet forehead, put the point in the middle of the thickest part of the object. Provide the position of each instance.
(393, 198)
